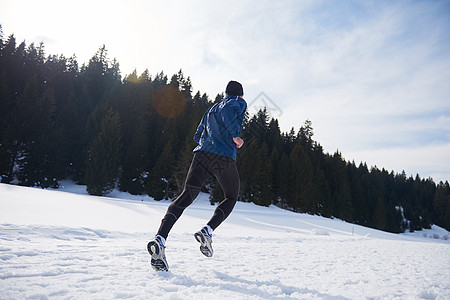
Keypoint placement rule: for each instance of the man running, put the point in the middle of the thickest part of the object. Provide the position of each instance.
(218, 138)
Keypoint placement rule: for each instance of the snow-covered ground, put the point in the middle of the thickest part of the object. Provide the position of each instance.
(67, 245)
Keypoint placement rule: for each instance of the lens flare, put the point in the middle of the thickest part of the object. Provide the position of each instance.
(168, 101)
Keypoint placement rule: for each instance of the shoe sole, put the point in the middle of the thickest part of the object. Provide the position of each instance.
(157, 263)
(204, 245)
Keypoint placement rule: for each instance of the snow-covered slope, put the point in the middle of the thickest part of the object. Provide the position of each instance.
(67, 245)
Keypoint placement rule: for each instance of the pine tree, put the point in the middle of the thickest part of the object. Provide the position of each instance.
(43, 161)
(103, 163)
(441, 203)
(160, 184)
(379, 218)
(134, 175)
(100, 76)
(339, 186)
(261, 184)
(322, 194)
(302, 189)
(305, 135)
(8, 146)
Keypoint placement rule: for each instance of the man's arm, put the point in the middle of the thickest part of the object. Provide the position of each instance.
(233, 114)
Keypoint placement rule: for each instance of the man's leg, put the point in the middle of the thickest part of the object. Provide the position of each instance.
(227, 175)
(195, 178)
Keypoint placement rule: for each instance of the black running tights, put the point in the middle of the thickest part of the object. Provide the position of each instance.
(203, 166)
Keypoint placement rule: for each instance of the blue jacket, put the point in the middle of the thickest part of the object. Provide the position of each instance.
(220, 124)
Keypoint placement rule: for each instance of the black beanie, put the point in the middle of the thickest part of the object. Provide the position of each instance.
(234, 88)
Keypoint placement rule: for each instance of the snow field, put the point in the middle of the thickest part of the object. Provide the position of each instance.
(57, 245)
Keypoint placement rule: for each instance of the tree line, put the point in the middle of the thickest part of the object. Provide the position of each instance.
(60, 120)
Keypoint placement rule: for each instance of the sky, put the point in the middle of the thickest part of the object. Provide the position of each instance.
(372, 76)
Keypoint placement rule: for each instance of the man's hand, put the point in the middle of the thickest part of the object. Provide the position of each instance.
(238, 141)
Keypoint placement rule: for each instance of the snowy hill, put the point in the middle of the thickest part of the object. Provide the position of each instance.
(68, 245)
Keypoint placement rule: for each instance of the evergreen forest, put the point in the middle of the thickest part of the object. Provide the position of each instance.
(61, 120)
